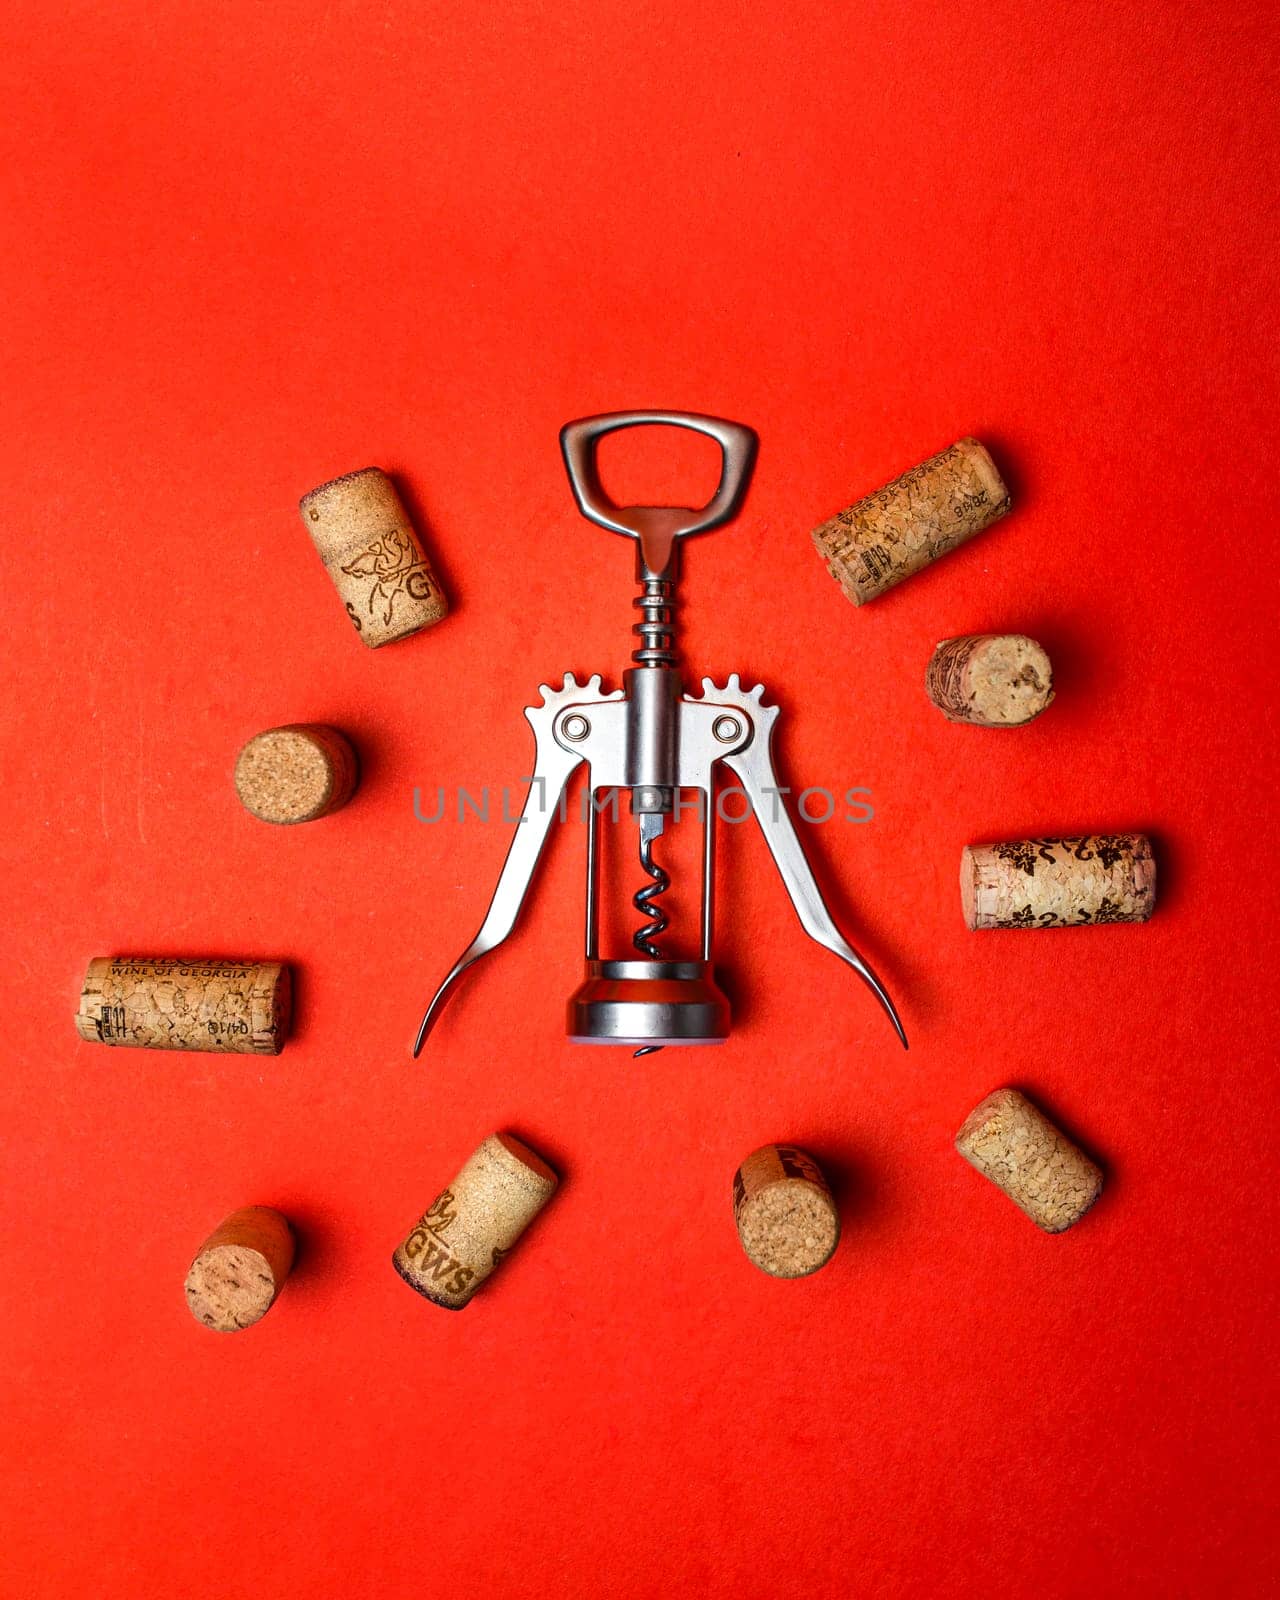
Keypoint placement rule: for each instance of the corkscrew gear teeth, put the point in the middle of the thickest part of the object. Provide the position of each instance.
(652, 740)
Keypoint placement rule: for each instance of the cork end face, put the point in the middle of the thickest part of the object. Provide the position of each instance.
(828, 540)
(1144, 876)
(312, 503)
(230, 1287)
(529, 1159)
(991, 680)
(988, 474)
(280, 1013)
(1018, 682)
(90, 1023)
(989, 1113)
(968, 888)
(295, 774)
(789, 1229)
(1088, 1193)
(284, 777)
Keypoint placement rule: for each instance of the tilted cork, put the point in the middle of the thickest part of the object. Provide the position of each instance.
(160, 1003)
(1014, 1144)
(296, 773)
(472, 1225)
(359, 525)
(787, 1220)
(1058, 883)
(996, 680)
(901, 528)
(240, 1269)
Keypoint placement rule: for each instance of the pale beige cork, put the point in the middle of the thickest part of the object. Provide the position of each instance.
(787, 1220)
(1058, 883)
(359, 525)
(901, 528)
(994, 680)
(296, 773)
(240, 1269)
(472, 1225)
(1014, 1144)
(161, 1003)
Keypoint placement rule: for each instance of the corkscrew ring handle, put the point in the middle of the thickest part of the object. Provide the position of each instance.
(656, 528)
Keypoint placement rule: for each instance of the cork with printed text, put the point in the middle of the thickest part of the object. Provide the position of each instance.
(166, 1003)
(362, 532)
(471, 1226)
(902, 528)
(1058, 883)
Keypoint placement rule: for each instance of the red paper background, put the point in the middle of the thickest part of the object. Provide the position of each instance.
(248, 248)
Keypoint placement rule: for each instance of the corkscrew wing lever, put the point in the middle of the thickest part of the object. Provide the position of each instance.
(552, 769)
(753, 764)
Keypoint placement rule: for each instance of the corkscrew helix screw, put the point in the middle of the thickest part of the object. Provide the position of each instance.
(644, 899)
(653, 740)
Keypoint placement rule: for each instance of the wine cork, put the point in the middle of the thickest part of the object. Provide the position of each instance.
(470, 1226)
(1058, 883)
(1015, 1145)
(240, 1269)
(296, 773)
(912, 521)
(359, 525)
(996, 680)
(157, 1003)
(787, 1220)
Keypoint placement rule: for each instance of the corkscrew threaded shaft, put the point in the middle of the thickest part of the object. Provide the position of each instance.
(657, 627)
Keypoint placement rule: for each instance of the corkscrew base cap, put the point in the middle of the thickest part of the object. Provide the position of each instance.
(648, 1003)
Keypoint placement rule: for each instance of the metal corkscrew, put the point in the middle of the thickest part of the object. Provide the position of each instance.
(653, 740)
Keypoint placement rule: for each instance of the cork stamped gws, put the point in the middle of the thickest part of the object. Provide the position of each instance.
(473, 1223)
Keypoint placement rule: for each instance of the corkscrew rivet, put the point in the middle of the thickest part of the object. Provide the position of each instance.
(575, 728)
(727, 729)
